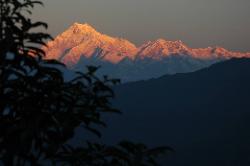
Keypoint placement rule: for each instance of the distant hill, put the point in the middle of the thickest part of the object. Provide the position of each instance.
(204, 115)
(82, 45)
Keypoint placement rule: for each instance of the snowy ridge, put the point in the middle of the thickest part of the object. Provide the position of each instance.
(83, 40)
(82, 45)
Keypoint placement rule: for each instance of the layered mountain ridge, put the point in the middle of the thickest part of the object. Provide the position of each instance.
(82, 45)
(203, 115)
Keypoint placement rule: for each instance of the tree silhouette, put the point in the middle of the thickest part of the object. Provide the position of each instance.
(40, 110)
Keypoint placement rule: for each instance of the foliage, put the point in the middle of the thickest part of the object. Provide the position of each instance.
(125, 154)
(40, 110)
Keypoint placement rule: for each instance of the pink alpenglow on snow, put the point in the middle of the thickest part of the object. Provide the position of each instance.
(83, 40)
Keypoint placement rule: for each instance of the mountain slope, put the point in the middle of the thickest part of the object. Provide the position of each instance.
(83, 40)
(82, 45)
(203, 115)
(161, 48)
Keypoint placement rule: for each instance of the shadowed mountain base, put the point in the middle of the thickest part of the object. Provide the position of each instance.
(203, 115)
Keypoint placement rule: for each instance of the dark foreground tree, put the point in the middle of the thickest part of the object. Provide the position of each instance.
(40, 110)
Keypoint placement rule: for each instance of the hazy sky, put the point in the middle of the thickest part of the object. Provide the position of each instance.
(198, 23)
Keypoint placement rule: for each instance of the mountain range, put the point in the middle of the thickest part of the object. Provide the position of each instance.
(203, 115)
(82, 45)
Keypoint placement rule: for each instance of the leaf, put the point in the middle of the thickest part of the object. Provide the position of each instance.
(94, 131)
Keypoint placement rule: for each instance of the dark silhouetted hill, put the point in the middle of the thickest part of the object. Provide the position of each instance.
(204, 115)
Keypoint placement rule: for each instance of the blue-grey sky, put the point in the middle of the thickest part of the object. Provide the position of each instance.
(198, 23)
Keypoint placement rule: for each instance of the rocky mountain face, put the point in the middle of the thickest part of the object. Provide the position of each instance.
(82, 45)
(83, 40)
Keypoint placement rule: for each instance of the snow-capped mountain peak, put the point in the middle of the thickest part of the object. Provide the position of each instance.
(82, 40)
(82, 45)
(162, 48)
(85, 28)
